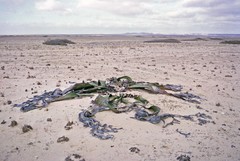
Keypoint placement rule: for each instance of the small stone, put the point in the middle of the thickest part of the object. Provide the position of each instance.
(58, 84)
(30, 143)
(134, 150)
(199, 107)
(9, 102)
(218, 104)
(68, 125)
(3, 122)
(26, 128)
(13, 123)
(39, 83)
(74, 157)
(183, 158)
(49, 119)
(63, 139)
(2, 94)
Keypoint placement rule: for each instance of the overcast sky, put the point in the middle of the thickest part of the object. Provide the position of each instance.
(119, 16)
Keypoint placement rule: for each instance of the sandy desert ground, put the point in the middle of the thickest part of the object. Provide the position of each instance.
(206, 68)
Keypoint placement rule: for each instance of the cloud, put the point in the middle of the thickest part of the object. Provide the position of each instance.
(210, 11)
(49, 5)
(123, 7)
(52, 5)
(208, 3)
(12, 2)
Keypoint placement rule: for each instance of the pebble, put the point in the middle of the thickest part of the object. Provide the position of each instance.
(74, 157)
(13, 123)
(134, 150)
(26, 128)
(9, 102)
(62, 139)
(3, 122)
(49, 119)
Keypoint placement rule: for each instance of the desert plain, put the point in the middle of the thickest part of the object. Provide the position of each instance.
(203, 66)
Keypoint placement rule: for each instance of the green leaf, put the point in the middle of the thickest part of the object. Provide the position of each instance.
(141, 99)
(107, 101)
(155, 109)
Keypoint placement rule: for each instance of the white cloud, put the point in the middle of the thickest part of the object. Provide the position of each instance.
(52, 5)
(206, 3)
(48, 5)
(114, 16)
(123, 7)
(211, 11)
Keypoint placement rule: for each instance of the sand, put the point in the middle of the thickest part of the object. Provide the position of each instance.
(206, 68)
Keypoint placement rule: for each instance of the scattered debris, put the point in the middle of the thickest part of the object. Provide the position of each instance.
(63, 139)
(184, 158)
(26, 128)
(134, 150)
(74, 157)
(68, 126)
(204, 119)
